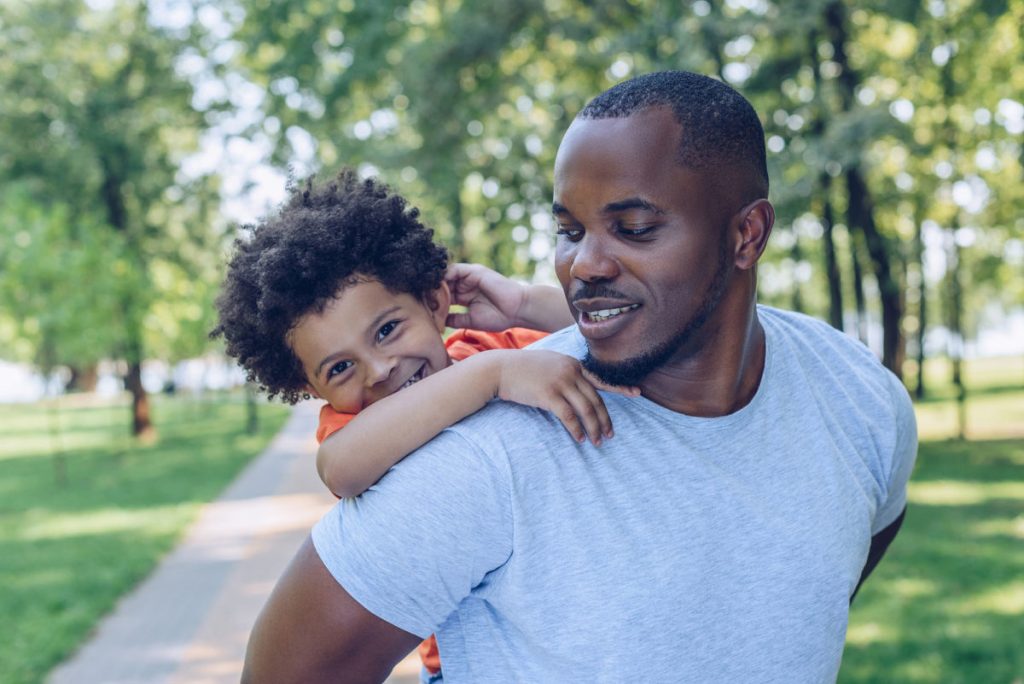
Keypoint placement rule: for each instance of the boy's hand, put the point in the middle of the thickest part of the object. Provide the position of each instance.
(557, 383)
(492, 301)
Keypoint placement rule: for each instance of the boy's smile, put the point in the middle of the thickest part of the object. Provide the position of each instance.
(368, 343)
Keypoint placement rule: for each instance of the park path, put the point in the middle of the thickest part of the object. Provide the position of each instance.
(188, 623)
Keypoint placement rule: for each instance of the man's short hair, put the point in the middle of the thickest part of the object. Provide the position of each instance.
(720, 126)
(326, 237)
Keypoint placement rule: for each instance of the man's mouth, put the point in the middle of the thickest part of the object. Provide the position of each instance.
(416, 377)
(606, 314)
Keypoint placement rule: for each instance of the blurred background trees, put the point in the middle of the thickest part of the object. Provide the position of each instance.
(895, 134)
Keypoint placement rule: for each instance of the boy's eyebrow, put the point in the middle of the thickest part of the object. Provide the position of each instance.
(374, 324)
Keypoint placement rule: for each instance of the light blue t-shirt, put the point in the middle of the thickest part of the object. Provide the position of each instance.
(683, 549)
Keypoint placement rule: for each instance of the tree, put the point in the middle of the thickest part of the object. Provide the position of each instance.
(96, 120)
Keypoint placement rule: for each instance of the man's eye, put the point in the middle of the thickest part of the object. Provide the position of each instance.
(338, 369)
(570, 233)
(634, 231)
(386, 329)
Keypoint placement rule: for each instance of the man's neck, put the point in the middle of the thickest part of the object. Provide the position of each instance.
(719, 378)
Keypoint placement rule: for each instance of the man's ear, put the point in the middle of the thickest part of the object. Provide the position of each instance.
(439, 301)
(754, 223)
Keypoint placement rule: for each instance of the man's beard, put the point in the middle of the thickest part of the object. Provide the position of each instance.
(630, 372)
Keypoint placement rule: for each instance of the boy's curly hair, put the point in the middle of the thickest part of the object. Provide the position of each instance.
(325, 238)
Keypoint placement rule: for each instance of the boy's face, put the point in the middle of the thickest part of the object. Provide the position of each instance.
(370, 342)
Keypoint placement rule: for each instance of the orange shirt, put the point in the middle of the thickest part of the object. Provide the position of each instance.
(461, 344)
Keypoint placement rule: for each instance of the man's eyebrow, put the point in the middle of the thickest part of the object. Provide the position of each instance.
(374, 324)
(615, 207)
(631, 203)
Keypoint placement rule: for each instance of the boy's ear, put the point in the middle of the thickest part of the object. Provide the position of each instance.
(312, 392)
(439, 301)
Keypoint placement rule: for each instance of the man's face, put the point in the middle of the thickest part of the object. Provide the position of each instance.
(642, 250)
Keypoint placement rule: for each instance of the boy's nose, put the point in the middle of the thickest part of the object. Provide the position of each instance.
(378, 370)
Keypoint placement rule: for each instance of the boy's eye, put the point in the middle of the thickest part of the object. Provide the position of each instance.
(338, 368)
(386, 329)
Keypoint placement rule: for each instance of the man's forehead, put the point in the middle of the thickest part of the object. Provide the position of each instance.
(654, 127)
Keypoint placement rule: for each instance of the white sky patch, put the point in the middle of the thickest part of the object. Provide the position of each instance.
(737, 72)
(902, 110)
(1010, 114)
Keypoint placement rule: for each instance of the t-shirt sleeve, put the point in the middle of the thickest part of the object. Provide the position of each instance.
(903, 457)
(330, 422)
(423, 538)
(464, 342)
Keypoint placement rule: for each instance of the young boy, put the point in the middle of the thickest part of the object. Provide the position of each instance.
(344, 296)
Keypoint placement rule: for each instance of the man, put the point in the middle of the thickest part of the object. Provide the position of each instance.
(719, 536)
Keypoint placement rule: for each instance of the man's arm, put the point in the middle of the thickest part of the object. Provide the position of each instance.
(879, 543)
(312, 630)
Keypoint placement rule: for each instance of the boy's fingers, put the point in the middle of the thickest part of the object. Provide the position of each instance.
(565, 413)
(591, 396)
(586, 412)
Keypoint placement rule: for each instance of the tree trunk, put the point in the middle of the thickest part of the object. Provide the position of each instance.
(956, 333)
(832, 273)
(922, 308)
(858, 287)
(861, 214)
(797, 255)
(860, 208)
(83, 378)
(835, 283)
(252, 415)
(142, 426)
(117, 215)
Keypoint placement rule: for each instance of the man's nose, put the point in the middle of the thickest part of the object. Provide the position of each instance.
(593, 260)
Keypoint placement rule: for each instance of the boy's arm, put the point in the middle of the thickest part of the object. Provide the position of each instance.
(382, 434)
(494, 302)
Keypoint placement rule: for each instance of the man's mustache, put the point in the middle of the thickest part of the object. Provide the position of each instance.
(596, 291)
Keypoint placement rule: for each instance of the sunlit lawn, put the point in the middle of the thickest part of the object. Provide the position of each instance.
(947, 602)
(67, 552)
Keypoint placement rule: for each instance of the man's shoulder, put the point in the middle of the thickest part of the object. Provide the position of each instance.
(567, 341)
(810, 335)
(828, 356)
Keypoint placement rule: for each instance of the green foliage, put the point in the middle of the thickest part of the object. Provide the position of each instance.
(61, 294)
(461, 105)
(67, 553)
(95, 122)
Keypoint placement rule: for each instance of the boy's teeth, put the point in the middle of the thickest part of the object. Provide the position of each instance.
(605, 314)
(415, 378)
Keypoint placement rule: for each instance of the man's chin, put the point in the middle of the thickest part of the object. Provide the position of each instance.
(621, 373)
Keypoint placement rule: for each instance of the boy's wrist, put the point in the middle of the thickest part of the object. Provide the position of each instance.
(543, 308)
(489, 365)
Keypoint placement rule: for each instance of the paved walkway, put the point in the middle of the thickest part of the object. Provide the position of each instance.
(188, 623)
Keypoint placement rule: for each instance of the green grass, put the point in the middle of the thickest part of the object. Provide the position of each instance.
(67, 552)
(947, 602)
